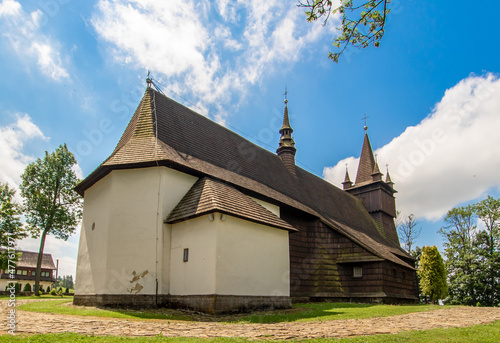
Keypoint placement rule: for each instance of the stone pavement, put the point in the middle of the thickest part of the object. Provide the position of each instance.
(32, 322)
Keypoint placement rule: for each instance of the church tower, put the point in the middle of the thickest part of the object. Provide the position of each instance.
(376, 194)
(286, 149)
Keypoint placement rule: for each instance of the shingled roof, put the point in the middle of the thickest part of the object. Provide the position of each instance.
(164, 132)
(29, 259)
(208, 195)
(367, 164)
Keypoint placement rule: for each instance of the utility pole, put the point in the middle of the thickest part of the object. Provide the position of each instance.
(57, 272)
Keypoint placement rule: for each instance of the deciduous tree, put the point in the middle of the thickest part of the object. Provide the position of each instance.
(52, 207)
(432, 273)
(11, 228)
(461, 262)
(488, 250)
(408, 231)
(363, 21)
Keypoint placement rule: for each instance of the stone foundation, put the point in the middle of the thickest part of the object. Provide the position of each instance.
(117, 300)
(213, 303)
(370, 298)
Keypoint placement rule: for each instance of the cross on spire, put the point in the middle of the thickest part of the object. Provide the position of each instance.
(364, 118)
(285, 94)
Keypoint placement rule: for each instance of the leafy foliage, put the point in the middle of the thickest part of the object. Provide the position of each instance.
(363, 21)
(432, 274)
(11, 228)
(66, 281)
(27, 288)
(487, 248)
(51, 204)
(473, 254)
(461, 263)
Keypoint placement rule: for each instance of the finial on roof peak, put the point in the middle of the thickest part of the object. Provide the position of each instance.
(366, 126)
(285, 94)
(149, 81)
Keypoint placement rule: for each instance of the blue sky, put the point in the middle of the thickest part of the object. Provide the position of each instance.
(74, 71)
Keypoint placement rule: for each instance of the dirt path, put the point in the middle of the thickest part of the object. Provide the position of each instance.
(31, 322)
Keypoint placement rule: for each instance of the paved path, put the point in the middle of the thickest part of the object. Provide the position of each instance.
(32, 322)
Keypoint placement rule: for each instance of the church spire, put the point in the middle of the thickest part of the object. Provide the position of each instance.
(388, 177)
(347, 181)
(376, 174)
(377, 196)
(286, 149)
(366, 162)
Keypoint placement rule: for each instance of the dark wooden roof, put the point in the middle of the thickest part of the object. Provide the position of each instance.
(164, 132)
(29, 259)
(366, 163)
(208, 195)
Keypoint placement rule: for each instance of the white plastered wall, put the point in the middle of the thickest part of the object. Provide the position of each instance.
(123, 234)
(252, 259)
(270, 207)
(229, 256)
(197, 275)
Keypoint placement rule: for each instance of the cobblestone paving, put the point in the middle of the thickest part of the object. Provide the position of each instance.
(32, 322)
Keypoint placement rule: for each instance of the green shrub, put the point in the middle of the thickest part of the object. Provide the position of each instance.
(67, 290)
(60, 290)
(53, 292)
(18, 287)
(48, 289)
(27, 288)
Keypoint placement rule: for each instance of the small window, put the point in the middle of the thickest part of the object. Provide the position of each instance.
(186, 255)
(357, 272)
(33, 272)
(19, 272)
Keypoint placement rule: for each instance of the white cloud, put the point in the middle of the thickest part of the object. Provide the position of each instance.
(451, 157)
(210, 50)
(13, 138)
(9, 7)
(23, 31)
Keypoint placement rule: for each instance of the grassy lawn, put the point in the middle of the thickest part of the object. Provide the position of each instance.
(45, 296)
(60, 307)
(475, 334)
(299, 312)
(334, 311)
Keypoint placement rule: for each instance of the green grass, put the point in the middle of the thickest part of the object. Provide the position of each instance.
(59, 307)
(299, 312)
(45, 296)
(334, 311)
(489, 333)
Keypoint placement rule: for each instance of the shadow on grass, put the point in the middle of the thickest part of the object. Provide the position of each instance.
(311, 311)
(314, 311)
(299, 312)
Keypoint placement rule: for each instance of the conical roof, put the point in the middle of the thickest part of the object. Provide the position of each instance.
(366, 162)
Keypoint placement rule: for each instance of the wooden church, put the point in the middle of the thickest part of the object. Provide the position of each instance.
(186, 213)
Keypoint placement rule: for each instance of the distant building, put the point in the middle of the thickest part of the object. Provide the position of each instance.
(187, 213)
(26, 270)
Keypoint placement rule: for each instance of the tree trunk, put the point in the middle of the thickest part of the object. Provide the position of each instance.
(39, 263)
